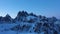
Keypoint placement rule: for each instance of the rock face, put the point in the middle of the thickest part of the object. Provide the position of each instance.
(6, 19)
(21, 16)
(32, 23)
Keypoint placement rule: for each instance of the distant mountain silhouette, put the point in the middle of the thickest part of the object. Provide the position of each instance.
(22, 16)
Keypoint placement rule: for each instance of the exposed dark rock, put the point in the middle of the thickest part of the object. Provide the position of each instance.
(6, 19)
(31, 14)
(31, 21)
(23, 14)
(46, 24)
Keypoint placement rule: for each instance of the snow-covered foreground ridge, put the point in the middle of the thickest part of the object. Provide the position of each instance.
(25, 23)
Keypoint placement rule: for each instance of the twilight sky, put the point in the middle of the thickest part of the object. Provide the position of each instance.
(47, 8)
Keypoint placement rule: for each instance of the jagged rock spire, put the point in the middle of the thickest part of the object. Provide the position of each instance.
(22, 13)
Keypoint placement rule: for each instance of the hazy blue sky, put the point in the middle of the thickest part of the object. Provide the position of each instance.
(43, 7)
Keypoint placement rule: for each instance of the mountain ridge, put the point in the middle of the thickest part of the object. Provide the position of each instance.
(24, 14)
(29, 23)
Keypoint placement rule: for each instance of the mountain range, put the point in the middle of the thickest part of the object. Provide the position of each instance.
(29, 23)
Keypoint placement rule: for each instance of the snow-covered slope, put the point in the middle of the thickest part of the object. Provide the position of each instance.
(25, 23)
